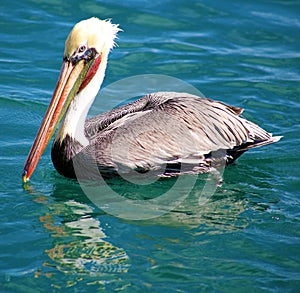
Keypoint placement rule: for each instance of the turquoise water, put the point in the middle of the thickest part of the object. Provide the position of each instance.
(245, 238)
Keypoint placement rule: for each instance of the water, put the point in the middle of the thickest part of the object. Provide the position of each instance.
(245, 238)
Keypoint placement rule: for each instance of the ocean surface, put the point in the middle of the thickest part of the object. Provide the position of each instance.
(242, 236)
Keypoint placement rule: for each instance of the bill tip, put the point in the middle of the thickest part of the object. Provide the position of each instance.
(24, 177)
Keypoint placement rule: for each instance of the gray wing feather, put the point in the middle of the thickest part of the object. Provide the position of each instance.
(167, 127)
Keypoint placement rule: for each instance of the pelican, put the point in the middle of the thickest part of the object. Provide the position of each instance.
(160, 131)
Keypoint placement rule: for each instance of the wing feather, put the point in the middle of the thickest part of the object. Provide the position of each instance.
(167, 127)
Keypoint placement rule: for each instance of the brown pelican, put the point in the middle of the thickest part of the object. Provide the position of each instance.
(171, 128)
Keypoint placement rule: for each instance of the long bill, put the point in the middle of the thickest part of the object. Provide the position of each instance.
(71, 79)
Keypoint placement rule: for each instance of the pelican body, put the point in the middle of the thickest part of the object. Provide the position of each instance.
(160, 131)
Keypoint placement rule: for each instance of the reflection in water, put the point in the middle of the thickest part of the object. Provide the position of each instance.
(83, 254)
(220, 214)
(80, 249)
(86, 252)
(215, 210)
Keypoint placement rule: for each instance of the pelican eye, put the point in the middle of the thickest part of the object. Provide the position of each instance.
(82, 53)
(81, 49)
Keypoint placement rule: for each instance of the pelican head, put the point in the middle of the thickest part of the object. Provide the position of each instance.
(90, 33)
(82, 72)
